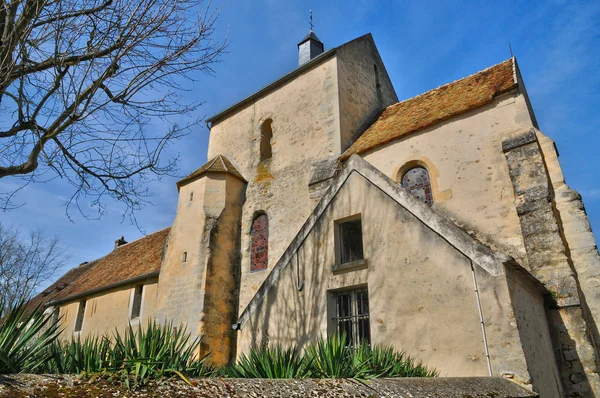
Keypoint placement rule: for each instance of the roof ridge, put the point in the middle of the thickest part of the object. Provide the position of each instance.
(133, 241)
(450, 83)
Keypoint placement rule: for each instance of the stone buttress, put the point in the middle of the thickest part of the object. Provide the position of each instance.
(199, 277)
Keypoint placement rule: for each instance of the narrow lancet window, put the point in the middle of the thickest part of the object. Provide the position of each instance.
(416, 181)
(259, 256)
(266, 133)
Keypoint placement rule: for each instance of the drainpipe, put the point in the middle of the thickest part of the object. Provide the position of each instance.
(487, 351)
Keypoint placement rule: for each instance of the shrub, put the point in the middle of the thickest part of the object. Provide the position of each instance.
(25, 339)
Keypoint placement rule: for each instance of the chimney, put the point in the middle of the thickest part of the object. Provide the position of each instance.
(120, 242)
(309, 48)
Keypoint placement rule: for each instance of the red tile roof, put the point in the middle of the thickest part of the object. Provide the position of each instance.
(434, 106)
(132, 260)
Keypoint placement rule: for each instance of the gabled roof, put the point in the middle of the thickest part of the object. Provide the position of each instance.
(434, 106)
(218, 164)
(135, 260)
(480, 255)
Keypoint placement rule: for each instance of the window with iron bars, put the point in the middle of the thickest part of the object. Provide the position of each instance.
(352, 316)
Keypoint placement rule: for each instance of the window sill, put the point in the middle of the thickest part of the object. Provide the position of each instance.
(351, 266)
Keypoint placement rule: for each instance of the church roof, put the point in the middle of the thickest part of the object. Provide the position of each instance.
(133, 261)
(434, 106)
(310, 36)
(218, 164)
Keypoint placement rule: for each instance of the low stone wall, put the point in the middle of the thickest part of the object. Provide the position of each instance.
(440, 387)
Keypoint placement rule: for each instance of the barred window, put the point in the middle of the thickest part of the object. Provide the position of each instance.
(259, 256)
(352, 316)
(416, 181)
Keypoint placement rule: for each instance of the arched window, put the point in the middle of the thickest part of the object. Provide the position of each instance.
(416, 181)
(259, 254)
(266, 133)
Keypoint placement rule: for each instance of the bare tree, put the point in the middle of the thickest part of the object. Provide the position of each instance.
(82, 81)
(26, 262)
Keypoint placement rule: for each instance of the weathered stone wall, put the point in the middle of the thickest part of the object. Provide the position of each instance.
(530, 315)
(577, 234)
(438, 387)
(181, 283)
(313, 116)
(199, 289)
(422, 297)
(468, 171)
(222, 277)
(108, 310)
(305, 125)
(364, 87)
(549, 262)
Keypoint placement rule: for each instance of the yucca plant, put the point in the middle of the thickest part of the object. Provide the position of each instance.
(330, 357)
(154, 352)
(384, 361)
(89, 355)
(25, 339)
(269, 363)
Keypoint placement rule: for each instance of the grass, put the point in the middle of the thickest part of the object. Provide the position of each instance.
(29, 344)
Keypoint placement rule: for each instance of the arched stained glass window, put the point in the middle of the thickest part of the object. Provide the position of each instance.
(416, 181)
(259, 254)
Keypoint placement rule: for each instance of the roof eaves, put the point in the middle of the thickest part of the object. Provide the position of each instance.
(103, 288)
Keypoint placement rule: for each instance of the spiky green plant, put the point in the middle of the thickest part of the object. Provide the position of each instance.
(89, 355)
(269, 363)
(330, 357)
(384, 361)
(154, 352)
(25, 339)
(135, 357)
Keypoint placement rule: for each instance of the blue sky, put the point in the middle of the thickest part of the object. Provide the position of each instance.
(423, 45)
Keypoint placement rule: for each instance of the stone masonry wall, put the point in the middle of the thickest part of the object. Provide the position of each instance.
(548, 261)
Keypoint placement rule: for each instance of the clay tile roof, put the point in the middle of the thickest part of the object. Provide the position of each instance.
(53, 291)
(218, 164)
(444, 102)
(132, 260)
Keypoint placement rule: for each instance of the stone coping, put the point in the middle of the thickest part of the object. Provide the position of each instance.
(439, 387)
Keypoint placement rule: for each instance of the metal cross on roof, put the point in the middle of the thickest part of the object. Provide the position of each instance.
(311, 24)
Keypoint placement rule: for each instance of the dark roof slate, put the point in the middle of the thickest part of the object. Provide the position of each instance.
(218, 164)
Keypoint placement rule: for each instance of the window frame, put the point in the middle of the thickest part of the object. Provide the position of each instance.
(80, 317)
(355, 318)
(134, 296)
(428, 201)
(265, 149)
(340, 245)
(253, 268)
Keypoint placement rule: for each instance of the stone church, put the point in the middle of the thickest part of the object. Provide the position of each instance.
(440, 224)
